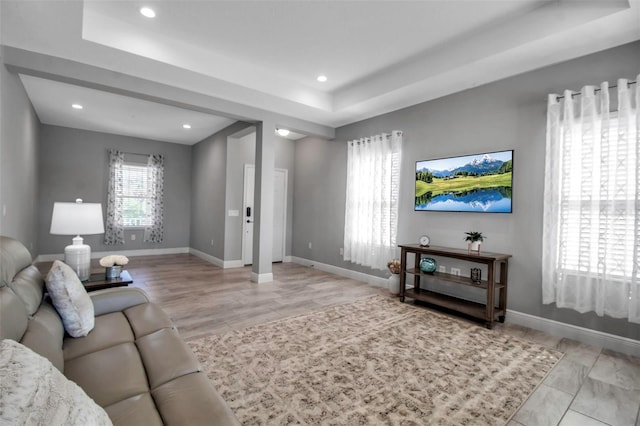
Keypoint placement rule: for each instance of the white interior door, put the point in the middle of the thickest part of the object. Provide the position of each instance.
(279, 214)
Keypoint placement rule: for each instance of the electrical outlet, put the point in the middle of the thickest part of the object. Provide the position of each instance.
(442, 268)
(341, 251)
(309, 244)
(133, 237)
(211, 242)
(455, 271)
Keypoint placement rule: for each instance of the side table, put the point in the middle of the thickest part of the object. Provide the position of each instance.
(99, 281)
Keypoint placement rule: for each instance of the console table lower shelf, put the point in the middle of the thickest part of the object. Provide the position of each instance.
(473, 309)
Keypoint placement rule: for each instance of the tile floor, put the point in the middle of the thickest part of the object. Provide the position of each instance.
(589, 386)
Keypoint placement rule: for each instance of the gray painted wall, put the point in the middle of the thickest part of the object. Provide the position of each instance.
(241, 151)
(208, 182)
(74, 164)
(509, 114)
(18, 163)
(319, 199)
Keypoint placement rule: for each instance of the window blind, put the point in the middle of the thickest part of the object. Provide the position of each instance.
(136, 195)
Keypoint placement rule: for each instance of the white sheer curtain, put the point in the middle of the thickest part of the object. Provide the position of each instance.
(371, 213)
(591, 236)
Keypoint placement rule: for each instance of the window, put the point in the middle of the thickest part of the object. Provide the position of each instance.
(135, 198)
(591, 231)
(135, 195)
(601, 209)
(371, 214)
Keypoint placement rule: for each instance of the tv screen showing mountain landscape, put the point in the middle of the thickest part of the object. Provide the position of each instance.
(473, 183)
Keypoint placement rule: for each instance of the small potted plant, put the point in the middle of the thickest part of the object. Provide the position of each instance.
(113, 265)
(474, 240)
(394, 279)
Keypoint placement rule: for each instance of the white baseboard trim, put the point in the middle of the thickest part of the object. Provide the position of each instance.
(209, 258)
(232, 264)
(129, 253)
(343, 272)
(225, 264)
(287, 259)
(49, 257)
(261, 278)
(581, 334)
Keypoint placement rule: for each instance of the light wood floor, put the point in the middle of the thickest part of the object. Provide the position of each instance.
(589, 386)
(202, 298)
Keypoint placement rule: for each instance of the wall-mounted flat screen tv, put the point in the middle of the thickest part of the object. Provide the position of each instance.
(471, 183)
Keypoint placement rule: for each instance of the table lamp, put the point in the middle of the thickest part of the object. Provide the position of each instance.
(75, 219)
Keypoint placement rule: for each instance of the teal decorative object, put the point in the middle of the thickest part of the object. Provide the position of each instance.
(428, 265)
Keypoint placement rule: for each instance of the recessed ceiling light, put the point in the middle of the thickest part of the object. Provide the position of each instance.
(322, 78)
(283, 132)
(186, 126)
(147, 12)
(76, 106)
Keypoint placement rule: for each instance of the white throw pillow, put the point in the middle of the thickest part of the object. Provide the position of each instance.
(70, 299)
(34, 392)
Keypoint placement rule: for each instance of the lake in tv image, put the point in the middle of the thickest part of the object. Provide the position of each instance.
(471, 183)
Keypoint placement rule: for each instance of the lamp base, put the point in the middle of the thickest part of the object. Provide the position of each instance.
(78, 257)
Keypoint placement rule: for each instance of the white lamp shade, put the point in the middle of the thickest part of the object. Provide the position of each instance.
(77, 219)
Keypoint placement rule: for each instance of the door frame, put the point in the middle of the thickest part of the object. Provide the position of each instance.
(244, 210)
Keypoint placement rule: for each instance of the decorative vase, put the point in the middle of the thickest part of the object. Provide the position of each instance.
(475, 246)
(394, 284)
(113, 272)
(428, 265)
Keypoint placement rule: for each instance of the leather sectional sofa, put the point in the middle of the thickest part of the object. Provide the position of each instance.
(133, 363)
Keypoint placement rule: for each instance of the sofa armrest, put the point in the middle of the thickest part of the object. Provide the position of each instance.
(117, 299)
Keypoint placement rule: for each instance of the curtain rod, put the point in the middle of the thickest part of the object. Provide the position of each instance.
(597, 89)
(372, 136)
(135, 153)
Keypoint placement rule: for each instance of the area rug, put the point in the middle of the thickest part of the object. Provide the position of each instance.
(376, 361)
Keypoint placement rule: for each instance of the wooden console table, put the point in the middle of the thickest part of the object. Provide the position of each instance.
(484, 311)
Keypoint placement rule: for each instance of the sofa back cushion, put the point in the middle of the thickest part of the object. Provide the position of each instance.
(13, 315)
(17, 273)
(29, 286)
(45, 335)
(14, 257)
(23, 315)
